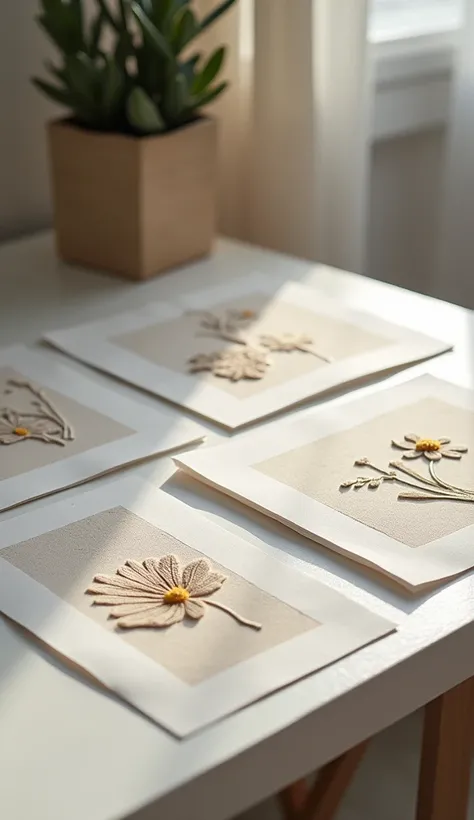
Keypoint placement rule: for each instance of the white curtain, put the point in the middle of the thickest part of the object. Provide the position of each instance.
(455, 277)
(294, 147)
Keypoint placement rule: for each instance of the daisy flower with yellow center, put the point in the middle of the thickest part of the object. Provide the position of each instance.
(432, 449)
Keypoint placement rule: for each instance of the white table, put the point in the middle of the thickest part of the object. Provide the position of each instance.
(71, 752)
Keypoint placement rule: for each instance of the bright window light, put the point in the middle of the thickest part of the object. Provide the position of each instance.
(401, 19)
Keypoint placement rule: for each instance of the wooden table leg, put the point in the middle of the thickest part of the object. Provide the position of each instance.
(443, 791)
(322, 801)
(293, 798)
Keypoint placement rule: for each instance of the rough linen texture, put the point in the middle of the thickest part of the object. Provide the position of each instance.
(66, 560)
(318, 469)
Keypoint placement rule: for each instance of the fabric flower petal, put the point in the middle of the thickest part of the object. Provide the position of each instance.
(168, 566)
(135, 572)
(412, 437)
(434, 456)
(451, 454)
(125, 600)
(125, 583)
(123, 592)
(412, 454)
(12, 418)
(162, 616)
(194, 609)
(195, 573)
(210, 584)
(125, 610)
(402, 445)
(444, 440)
(10, 438)
(458, 448)
(152, 566)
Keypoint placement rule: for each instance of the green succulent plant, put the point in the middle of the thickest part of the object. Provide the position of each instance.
(128, 67)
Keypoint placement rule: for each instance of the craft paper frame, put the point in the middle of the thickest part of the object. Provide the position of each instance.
(90, 343)
(229, 468)
(157, 432)
(343, 626)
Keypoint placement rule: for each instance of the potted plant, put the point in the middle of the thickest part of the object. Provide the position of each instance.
(134, 165)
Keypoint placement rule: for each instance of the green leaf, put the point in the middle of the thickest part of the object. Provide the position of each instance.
(186, 30)
(112, 86)
(176, 98)
(62, 30)
(214, 15)
(209, 72)
(188, 68)
(209, 96)
(81, 76)
(77, 16)
(123, 49)
(97, 28)
(151, 34)
(58, 95)
(143, 114)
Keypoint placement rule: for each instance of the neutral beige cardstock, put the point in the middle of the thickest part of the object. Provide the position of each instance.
(66, 560)
(319, 468)
(91, 429)
(171, 344)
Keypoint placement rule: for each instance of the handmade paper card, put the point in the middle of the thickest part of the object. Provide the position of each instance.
(387, 479)
(182, 619)
(245, 350)
(58, 428)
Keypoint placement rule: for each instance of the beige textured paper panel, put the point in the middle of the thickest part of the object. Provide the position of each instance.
(171, 344)
(66, 560)
(91, 428)
(318, 469)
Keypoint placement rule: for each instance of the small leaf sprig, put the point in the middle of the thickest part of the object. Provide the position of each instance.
(422, 488)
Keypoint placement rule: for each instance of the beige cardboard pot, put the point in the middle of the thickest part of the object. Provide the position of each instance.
(134, 206)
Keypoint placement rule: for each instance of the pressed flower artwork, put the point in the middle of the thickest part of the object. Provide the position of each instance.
(251, 360)
(235, 364)
(207, 626)
(179, 608)
(423, 487)
(354, 477)
(59, 428)
(43, 422)
(159, 593)
(246, 348)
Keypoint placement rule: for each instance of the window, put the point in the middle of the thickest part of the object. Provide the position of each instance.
(401, 19)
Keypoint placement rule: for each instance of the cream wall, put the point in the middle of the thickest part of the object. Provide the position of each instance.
(404, 216)
(24, 197)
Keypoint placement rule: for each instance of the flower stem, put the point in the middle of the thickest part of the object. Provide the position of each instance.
(234, 614)
(452, 487)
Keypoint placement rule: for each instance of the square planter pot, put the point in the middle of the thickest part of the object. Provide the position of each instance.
(134, 206)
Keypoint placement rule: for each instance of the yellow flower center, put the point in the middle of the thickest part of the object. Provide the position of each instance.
(177, 595)
(247, 314)
(21, 431)
(428, 445)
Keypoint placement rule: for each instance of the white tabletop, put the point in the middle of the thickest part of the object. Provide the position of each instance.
(69, 751)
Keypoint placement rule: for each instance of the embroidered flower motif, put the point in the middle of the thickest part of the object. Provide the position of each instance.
(12, 430)
(42, 423)
(235, 364)
(15, 428)
(158, 593)
(227, 327)
(287, 342)
(432, 449)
